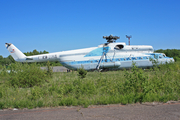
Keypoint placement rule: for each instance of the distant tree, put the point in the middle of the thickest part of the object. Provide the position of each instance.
(7, 61)
(27, 54)
(45, 52)
(170, 52)
(1, 57)
(35, 52)
(11, 59)
(31, 53)
(40, 52)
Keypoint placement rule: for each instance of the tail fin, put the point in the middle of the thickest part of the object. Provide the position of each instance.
(15, 52)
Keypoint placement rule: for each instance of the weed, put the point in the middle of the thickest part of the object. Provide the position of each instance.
(40, 103)
(26, 75)
(49, 69)
(1, 105)
(36, 93)
(112, 87)
(0, 94)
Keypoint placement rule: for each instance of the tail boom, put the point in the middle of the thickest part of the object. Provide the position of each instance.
(20, 57)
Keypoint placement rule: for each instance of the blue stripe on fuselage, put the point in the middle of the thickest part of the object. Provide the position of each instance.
(111, 60)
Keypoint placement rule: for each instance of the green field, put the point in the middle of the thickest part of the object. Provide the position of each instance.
(27, 86)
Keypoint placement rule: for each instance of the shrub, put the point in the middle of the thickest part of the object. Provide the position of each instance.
(40, 103)
(4, 71)
(137, 83)
(0, 94)
(175, 59)
(36, 93)
(24, 75)
(82, 73)
(1, 105)
(49, 69)
(112, 87)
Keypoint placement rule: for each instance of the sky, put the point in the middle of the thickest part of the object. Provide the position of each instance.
(60, 25)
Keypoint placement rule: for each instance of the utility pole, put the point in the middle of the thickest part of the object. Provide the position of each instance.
(128, 38)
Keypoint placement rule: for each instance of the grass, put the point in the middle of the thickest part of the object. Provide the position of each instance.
(159, 84)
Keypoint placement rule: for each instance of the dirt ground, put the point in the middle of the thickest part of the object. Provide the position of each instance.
(145, 111)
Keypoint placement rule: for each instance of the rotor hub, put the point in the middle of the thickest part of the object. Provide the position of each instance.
(111, 38)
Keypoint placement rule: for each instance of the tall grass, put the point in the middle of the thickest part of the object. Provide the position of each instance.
(159, 84)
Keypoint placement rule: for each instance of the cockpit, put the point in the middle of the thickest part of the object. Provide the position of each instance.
(162, 55)
(158, 55)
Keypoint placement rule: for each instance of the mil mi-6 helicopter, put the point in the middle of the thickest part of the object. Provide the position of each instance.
(110, 55)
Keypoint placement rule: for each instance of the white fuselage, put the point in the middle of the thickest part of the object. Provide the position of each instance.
(112, 55)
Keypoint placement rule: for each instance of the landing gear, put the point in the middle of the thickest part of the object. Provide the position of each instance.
(97, 68)
(68, 70)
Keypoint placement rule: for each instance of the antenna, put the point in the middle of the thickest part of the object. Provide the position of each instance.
(128, 38)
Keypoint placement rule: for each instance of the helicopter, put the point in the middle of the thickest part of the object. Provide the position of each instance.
(110, 55)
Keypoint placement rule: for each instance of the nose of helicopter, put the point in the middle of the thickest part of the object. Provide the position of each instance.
(170, 60)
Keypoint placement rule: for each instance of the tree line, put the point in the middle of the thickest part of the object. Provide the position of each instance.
(170, 52)
(175, 53)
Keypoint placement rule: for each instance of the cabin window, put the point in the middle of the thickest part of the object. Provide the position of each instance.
(118, 47)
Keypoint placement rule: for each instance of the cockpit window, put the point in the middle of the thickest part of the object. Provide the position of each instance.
(118, 47)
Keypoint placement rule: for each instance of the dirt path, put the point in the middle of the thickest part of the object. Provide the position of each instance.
(147, 111)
